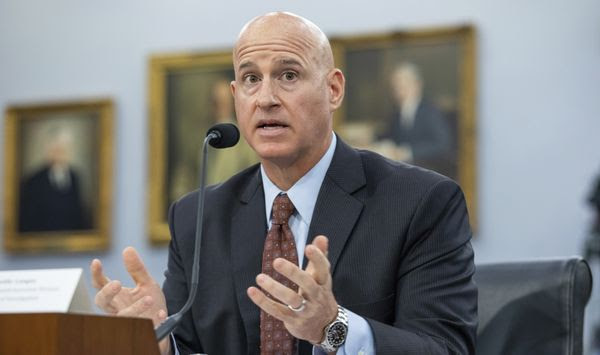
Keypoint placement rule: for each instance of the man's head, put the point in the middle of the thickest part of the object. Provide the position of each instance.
(59, 146)
(407, 84)
(285, 89)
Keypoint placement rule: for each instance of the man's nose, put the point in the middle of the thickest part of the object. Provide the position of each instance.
(267, 97)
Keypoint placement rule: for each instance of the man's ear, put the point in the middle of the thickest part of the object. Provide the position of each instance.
(232, 87)
(337, 87)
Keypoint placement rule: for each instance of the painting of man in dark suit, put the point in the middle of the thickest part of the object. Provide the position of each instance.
(50, 195)
(419, 130)
(411, 97)
(58, 176)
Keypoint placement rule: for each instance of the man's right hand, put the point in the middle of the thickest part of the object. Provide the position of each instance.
(145, 300)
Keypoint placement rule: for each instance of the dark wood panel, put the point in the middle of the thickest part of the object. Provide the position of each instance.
(65, 334)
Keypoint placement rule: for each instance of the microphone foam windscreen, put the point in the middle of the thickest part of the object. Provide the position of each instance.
(228, 135)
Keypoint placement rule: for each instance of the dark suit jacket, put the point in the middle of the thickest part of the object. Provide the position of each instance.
(430, 136)
(44, 207)
(399, 246)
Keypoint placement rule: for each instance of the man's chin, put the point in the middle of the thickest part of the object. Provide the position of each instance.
(275, 153)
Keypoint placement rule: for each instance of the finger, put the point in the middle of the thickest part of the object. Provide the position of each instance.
(135, 267)
(301, 278)
(162, 315)
(105, 296)
(284, 294)
(322, 243)
(98, 277)
(138, 308)
(320, 266)
(158, 317)
(273, 308)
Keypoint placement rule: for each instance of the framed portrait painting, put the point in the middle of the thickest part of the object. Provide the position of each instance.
(58, 176)
(411, 97)
(188, 94)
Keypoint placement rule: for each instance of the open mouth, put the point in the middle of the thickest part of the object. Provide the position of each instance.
(271, 125)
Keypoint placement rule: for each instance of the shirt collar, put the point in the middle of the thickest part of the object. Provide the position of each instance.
(305, 191)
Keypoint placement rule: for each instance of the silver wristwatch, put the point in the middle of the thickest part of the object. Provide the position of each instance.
(336, 332)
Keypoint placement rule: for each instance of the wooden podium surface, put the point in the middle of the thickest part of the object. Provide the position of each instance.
(66, 334)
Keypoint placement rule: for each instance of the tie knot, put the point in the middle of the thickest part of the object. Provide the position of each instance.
(283, 208)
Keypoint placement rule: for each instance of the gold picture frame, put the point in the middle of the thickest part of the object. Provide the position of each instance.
(58, 176)
(188, 93)
(410, 95)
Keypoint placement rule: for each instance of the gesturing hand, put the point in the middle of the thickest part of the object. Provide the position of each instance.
(314, 285)
(145, 300)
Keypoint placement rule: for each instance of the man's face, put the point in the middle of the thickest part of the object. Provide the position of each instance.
(282, 95)
(405, 85)
(59, 149)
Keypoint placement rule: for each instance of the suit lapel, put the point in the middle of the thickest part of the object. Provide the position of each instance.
(248, 233)
(337, 210)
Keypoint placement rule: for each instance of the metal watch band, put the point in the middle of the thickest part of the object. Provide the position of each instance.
(340, 326)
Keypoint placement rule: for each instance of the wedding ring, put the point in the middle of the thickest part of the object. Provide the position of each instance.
(299, 308)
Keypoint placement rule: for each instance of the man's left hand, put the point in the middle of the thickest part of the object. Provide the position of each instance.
(314, 285)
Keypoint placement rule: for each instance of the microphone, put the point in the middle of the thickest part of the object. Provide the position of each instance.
(222, 135)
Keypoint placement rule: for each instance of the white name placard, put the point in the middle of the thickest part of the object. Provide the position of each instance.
(46, 290)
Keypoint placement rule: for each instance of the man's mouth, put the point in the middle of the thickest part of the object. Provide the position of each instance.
(271, 125)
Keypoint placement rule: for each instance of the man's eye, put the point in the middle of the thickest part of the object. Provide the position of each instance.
(290, 76)
(251, 79)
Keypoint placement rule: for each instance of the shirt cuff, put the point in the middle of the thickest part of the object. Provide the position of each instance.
(359, 340)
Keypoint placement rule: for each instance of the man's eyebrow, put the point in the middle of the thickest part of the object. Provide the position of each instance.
(290, 61)
(245, 64)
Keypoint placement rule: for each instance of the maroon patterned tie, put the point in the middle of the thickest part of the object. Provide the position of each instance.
(274, 338)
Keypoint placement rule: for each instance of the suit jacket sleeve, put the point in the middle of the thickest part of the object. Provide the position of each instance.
(436, 299)
(176, 293)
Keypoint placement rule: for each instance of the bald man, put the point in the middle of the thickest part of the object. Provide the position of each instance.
(374, 258)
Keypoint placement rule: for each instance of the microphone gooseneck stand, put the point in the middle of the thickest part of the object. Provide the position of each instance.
(218, 136)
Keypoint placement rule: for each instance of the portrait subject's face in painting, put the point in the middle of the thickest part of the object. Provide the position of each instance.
(406, 83)
(59, 148)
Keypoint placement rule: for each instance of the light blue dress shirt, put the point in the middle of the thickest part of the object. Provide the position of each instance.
(304, 195)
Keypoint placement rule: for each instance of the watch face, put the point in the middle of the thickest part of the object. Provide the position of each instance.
(337, 334)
